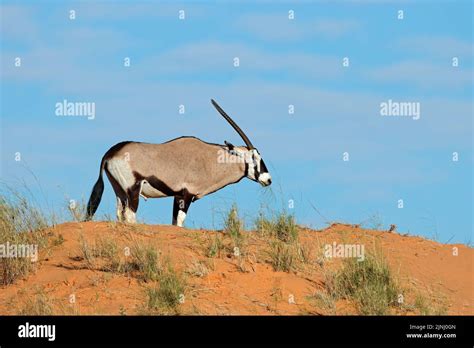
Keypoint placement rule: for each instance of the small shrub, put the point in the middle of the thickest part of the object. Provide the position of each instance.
(22, 225)
(168, 293)
(282, 226)
(282, 256)
(18, 215)
(40, 304)
(426, 308)
(282, 234)
(145, 259)
(285, 228)
(325, 301)
(199, 268)
(106, 247)
(77, 209)
(369, 283)
(264, 226)
(59, 240)
(214, 246)
(304, 253)
(232, 223)
(87, 252)
(233, 227)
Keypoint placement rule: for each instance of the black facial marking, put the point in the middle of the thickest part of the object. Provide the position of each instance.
(257, 173)
(263, 167)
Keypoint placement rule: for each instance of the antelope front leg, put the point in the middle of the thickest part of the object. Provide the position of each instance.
(180, 208)
(129, 216)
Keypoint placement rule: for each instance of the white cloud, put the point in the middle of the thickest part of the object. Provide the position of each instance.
(130, 11)
(438, 46)
(277, 27)
(423, 74)
(216, 57)
(18, 24)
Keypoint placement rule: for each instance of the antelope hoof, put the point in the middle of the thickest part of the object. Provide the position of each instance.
(180, 219)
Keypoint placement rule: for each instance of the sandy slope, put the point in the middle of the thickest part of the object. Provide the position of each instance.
(246, 286)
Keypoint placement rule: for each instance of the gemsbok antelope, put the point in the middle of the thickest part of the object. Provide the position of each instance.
(186, 168)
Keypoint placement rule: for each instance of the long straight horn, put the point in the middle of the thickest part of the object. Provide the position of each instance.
(233, 124)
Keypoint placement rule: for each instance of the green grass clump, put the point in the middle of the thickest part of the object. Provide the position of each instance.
(369, 283)
(77, 210)
(233, 226)
(21, 225)
(282, 226)
(168, 294)
(39, 304)
(282, 256)
(214, 246)
(285, 228)
(146, 260)
(424, 307)
(143, 260)
(281, 233)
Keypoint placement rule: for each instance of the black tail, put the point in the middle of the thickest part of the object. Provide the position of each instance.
(96, 194)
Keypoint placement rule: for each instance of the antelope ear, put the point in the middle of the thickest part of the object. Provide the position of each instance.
(229, 145)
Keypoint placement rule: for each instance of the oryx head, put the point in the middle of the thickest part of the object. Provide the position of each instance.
(256, 168)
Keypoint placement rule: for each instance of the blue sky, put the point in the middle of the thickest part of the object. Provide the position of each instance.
(282, 62)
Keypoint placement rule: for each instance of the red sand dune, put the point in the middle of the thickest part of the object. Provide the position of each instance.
(248, 285)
